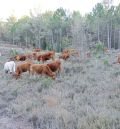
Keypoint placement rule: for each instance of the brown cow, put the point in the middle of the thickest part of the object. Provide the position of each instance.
(118, 59)
(106, 50)
(41, 69)
(55, 66)
(20, 57)
(24, 67)
(46, 56)
(64, 56)
(71, 52)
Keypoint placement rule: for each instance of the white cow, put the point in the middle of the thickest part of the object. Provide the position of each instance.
(9, 67)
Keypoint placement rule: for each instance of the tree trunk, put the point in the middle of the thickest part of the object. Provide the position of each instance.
(98, 32)
(119, 40)
(52, 41)
(60, 47)
(108, 36)
(114, 39)
(110, 33)
(26, 39)
(39, 39)
(13, 40)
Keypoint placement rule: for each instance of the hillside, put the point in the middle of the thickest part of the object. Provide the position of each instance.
(86, 95)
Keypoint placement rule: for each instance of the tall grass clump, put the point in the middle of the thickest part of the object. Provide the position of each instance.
(13, 52)
(98, 49)
(47, 82)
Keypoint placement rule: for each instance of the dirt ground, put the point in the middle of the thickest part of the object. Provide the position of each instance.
(86, 95)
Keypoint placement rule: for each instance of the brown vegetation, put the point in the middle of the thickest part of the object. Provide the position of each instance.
(85, 96)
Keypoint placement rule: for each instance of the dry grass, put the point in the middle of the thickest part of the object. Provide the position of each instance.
(86, 95)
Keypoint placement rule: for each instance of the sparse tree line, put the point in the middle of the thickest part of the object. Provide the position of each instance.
(61, 28)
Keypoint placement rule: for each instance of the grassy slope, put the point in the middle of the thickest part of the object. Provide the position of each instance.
(85, 95)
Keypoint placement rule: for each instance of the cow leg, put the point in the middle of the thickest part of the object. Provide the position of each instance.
(34, 75)
(30, 74)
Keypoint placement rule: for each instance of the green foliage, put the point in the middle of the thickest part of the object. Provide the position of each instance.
(59, 17)
(58, 47)
(49, 46)
(46, 82)
(106, 62)
(65, 42)
(99, 47)
(98, 50)
(56, 26)
(98, 11)
(43, 43)
(13, 52)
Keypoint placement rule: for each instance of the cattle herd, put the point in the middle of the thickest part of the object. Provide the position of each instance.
(27, 63)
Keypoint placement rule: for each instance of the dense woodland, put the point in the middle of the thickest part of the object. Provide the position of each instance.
(61, 28)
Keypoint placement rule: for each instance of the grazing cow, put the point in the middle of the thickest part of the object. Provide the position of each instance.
(9, 67)
(64, 56)
(20, 57)
(24, 67)
(71, 52)
(37, 50)
(106, 50)
(46, 56)
(55, 66)
(41, 69)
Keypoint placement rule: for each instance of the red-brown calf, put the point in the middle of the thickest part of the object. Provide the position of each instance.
(20, 57)
(46, 56)
(64, 56)
(71, 52)
(24, 67)
(42, 69)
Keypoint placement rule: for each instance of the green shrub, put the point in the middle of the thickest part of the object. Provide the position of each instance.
(13, 52)
(65, 42)
(100, 47)
(49, 46)
(47, 82)
(105, 61)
